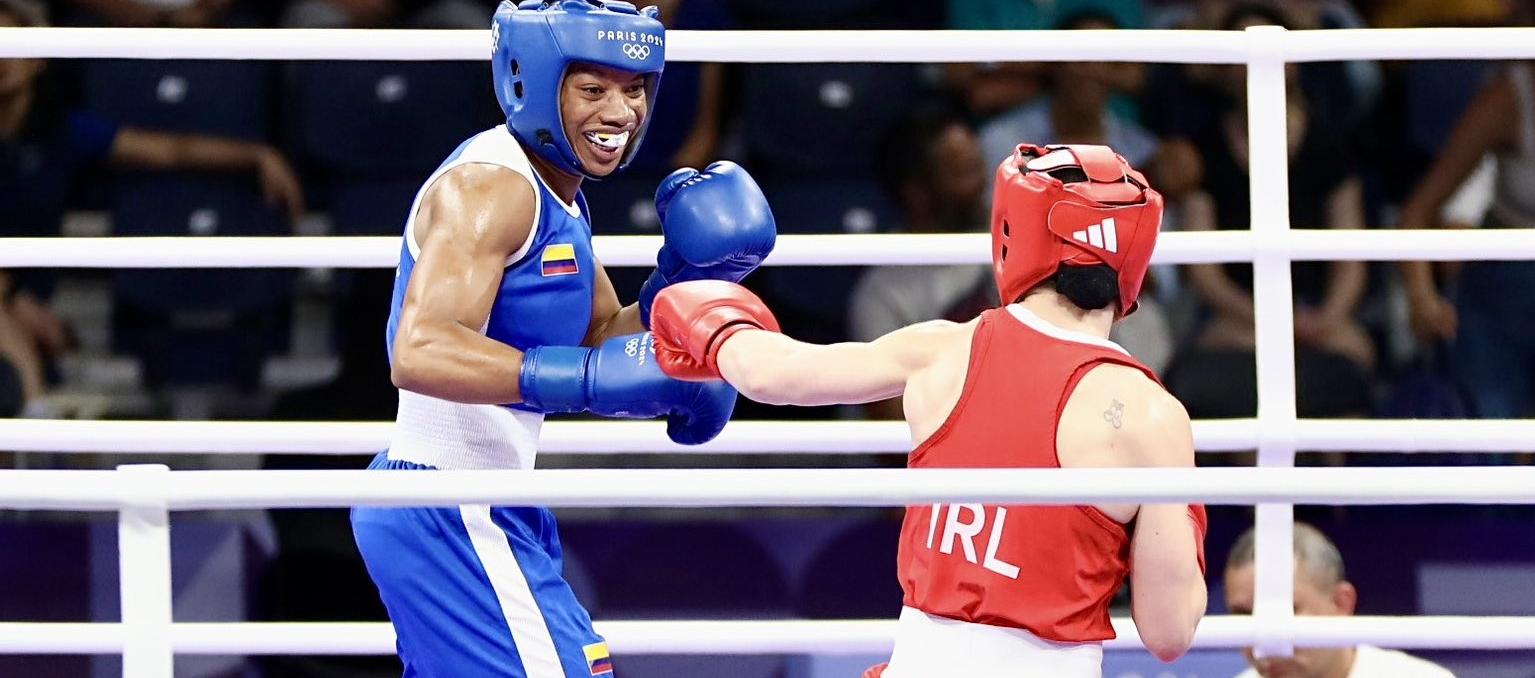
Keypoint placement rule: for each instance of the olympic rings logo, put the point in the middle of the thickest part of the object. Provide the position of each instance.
(636, 51)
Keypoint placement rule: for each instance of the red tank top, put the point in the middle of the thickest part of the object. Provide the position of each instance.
(1051, 570)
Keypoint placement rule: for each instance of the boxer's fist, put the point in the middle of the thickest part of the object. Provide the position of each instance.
(693, 320)
(621, 378)
(717, 226)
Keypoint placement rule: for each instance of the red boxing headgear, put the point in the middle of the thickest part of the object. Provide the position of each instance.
(1071, 206)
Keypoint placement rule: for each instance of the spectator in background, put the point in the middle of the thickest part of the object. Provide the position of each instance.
(156, 13)
(989, 89)
(930, 164)
(1073, 106)
(1433, 13)
(1334, 355)
(1320, 590)
(45, 152)
(1486, 318)
(438, 14)
(22, 378)
(1077, 109)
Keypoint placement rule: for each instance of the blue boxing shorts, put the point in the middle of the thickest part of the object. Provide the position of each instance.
(477, 590)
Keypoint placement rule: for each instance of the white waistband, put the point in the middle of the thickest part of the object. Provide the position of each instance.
(934, 647)
(450, 435)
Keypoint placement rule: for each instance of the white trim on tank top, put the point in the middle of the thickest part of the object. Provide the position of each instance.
(518, 164)
(1044, 327)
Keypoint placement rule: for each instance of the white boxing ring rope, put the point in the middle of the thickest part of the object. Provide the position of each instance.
(853, 636)
(791, 250)
(147, 638)
(741, 437)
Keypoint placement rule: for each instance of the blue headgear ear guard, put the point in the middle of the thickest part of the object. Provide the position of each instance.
(537, 41)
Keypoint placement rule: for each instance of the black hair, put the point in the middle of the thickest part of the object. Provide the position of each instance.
(1087, 287)
(905, 150)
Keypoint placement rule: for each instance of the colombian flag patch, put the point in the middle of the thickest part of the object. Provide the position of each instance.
(597, 659)
(559, 259)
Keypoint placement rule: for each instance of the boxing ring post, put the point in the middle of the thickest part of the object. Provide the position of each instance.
(1274, 329)
(144, 570)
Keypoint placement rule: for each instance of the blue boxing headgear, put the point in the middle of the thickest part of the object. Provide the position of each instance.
(537, 41)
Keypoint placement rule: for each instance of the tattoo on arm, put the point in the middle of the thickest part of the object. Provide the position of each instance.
(1115, 415)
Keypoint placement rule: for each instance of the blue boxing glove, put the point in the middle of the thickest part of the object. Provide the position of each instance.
(717, 226)
(621, 378)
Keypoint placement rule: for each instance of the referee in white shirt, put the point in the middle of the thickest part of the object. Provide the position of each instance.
(1320, 590)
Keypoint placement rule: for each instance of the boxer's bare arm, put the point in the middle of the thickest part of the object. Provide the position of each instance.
(1168, 590)
(771, 368)
(610, 318)
(470, 221)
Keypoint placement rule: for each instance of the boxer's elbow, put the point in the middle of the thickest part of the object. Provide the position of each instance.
(411, 367)
(1167, 625)
(1168, 644)
(405, 371)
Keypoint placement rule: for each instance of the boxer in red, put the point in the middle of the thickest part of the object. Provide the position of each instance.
(1005, 590)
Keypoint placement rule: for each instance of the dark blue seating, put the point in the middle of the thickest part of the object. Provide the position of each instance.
(682, 571)
(384, 119)
(820, 118)
(854, 576)
(812, 301)
(1437, 94)
(673, 666)
(625, 204)
(226, 98)
(205, 325)
(836, 14)
(372, 207)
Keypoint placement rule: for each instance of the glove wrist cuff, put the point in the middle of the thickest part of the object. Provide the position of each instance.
(553, 378)
(723, 322)
(712, 354)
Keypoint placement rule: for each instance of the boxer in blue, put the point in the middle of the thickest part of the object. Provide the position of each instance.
(501, 314)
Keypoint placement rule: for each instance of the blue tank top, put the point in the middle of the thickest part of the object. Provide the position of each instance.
(545, 299)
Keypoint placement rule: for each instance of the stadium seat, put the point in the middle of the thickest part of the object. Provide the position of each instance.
(226, 98)
(685, 571)
(836, 14)
(206, 325)
(625, 204)
(820, 118)
(384, 119)
(812, 301)
(372, 206)
(854, 577)
(1437, 93)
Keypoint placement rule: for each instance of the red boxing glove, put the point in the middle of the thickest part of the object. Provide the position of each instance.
(1201, 520)
(691, 320)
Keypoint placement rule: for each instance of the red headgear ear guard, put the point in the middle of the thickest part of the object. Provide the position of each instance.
(1074, 206)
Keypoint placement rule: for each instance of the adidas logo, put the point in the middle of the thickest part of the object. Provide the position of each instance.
(1102, 235)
